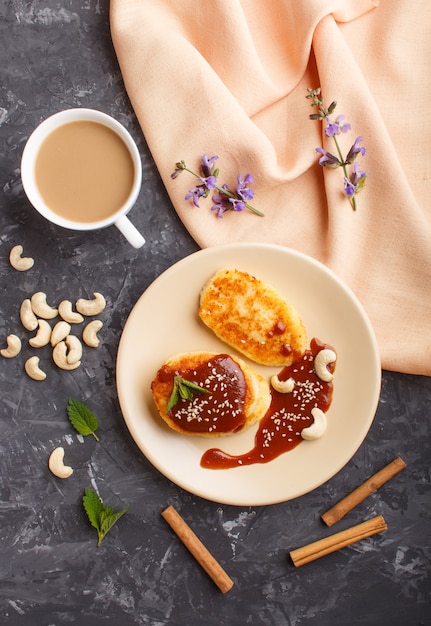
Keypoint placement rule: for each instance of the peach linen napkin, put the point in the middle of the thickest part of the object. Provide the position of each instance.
(229, 77)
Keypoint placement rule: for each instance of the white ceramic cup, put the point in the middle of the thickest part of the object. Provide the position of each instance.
(29, 155)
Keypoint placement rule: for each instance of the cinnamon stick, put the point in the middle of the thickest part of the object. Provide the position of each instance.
(339, 510)
(320, 548)
(198, 550)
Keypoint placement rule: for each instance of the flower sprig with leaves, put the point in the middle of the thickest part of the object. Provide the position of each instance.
(227, 200)
(355, 180)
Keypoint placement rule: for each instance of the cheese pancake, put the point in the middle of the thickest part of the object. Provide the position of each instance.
(252, 317)
(209, 394)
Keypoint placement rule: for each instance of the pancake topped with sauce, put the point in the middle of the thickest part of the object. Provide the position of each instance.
(251, 316)
(232, 398)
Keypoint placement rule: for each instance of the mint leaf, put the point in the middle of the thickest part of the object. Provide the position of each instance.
(82, 419)
(93, 506)
(107, 519)
(101, 518)
(184, 389)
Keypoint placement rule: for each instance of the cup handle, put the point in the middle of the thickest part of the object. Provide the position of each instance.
(130, 232)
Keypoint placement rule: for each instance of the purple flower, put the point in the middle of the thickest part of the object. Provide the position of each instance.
(355, 150)
(327, 159)
(207, 164)
(226, 202)
(337, 127)
(201, 191)
(221, 203)
(242, 190)
(210, 182)
(349, 188)
(219, 207)
(356, 182)
(196, 193)
(237, 205)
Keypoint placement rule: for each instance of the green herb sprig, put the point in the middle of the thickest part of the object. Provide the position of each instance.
(101, 518)
(184, 389)
(82, 418)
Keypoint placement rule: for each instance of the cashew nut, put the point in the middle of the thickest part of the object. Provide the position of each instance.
(59, 332)
(13, 347)
(282, 386)
(42, 336)
(59, 355)
(321, 361)
(89, 334)
(33, 370)
(28, 318)
(91, 307)
(65, 311)
(18, 262)
(41, 308)
(74, 347)
(56, 464)
(317, 428)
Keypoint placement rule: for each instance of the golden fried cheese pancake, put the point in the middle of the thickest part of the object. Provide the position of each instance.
(209, 394)
(252, 317)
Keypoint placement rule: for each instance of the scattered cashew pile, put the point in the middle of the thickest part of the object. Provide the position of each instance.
(34, 315)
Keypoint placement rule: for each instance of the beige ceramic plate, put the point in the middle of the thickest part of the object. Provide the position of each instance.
(164, 322)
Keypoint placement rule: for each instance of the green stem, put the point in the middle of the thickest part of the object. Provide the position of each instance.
(187, 169)
(340, 154)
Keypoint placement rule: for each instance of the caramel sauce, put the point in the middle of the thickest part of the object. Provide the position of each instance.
(220, 410)
(286, 349)
(277, 329)
(280, 429)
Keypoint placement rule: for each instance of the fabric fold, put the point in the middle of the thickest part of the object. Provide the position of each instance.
(231, 78)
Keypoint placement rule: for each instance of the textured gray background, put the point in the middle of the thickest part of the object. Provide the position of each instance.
(57, 55)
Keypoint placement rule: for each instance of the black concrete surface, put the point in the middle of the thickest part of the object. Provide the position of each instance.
(57, 55)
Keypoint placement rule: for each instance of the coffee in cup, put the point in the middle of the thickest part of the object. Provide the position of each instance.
(81, 169)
